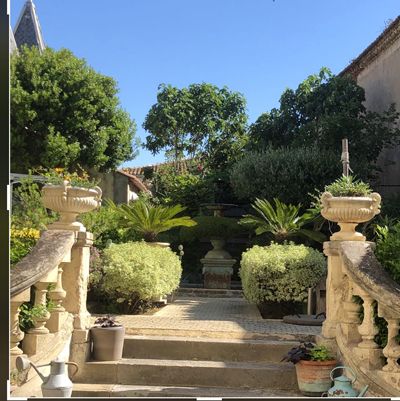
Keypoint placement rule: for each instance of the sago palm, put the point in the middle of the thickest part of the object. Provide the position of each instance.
(149, 219)
(282, 222)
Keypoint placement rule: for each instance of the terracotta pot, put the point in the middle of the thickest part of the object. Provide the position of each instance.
(313, 377)
(108, 343)
(349, 211)
(70, 202)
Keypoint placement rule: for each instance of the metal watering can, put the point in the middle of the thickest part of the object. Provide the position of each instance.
(57, 384)
(342, 386)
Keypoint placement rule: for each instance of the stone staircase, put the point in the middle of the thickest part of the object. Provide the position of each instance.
(179, 366)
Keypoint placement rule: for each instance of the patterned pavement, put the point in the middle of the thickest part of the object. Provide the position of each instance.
(213, 317)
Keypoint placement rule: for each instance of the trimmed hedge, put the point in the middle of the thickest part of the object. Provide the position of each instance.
(280, 273)
(288, 174)
(135, 270)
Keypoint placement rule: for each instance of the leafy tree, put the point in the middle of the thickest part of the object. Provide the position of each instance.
(320, 112)
(201, 120)
(63, 113)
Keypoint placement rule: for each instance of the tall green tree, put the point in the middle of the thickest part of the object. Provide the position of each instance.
(201, 120)
(64, 113)
(320, 112)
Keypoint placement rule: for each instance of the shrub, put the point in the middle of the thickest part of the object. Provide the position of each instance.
(21, 242)
(284, 173)
(388, 249)
(104, 224)
(212, 227)
(280, 272)
(136, 271)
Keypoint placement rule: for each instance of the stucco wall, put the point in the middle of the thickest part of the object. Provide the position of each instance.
(381, 81)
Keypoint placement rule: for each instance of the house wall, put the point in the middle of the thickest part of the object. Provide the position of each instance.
(381, 81)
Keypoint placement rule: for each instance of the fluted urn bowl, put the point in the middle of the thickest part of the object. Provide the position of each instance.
(348, 211)
(70, 201)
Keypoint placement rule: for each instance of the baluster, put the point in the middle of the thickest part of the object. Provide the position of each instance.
(58, 294)
(350, 316)
(368, 350)
(392, 349)
(40, 300)
(16, 334)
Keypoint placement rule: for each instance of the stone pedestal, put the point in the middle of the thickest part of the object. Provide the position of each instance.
(217, 272)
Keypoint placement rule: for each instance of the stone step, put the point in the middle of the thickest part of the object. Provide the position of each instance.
(118, 390)
(206, 349)
(209, 293)
(161, 372)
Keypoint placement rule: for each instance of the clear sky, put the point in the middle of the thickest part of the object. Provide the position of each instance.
(256, 47)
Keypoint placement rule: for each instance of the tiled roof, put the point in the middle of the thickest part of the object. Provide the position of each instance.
(27, 31)
(136, 182)
(389, 36)
(182, 166)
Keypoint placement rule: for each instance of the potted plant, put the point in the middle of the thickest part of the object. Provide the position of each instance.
(314, 364)
(150, 220)
(349, 202)
(107, 339)
(69, 194)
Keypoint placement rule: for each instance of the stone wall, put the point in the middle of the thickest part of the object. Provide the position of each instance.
(381, 81)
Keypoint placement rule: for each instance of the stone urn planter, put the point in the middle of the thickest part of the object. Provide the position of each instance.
(217, 266)
(70, 201)
(107, 339)
(348, 212)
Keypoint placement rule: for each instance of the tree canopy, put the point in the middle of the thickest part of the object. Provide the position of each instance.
(201, 120)
(63, 113)
(320, 112)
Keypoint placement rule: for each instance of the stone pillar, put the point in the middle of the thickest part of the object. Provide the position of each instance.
(334, 282)
(75, 280)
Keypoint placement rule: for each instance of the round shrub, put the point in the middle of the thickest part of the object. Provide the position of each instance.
(288, 174)
(280, 273)
(136, 270)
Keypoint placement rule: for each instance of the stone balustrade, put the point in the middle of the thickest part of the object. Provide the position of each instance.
(355, 276)
(54, 277)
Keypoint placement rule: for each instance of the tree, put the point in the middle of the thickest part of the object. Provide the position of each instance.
(201, 120)
(63, 113)
(320, 112)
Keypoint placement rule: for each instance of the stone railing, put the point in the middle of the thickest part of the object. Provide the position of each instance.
(57, 269)
(353, 270)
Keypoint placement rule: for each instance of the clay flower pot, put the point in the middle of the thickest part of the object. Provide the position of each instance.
(70, 202)
(349, 211)
(108, 343)
(313, 377)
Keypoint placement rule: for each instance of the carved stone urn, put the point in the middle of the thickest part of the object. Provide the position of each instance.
(349, 211)
(70, 201)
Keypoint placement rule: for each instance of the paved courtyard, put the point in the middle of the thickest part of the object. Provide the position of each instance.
(214, 317)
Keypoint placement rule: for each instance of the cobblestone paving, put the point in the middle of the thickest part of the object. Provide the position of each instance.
(211, 315)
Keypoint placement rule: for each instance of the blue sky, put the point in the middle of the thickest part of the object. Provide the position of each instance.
(256, 47)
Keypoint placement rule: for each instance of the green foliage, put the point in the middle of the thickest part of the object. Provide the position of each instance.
(348, 186)
(21, 242)
(200, 120)
(391, 206)
(283, 221)
(27, 209)
(212, 227)
(319, 112)
(64, 113)
(189, 189)
(137, 271)
(288, 174)
(388, 249)
(321, 353)
(104, 223)
(148, 219)
(280, 272)
(58, 175)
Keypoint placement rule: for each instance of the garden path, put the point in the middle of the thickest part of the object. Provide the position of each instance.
(214, 317)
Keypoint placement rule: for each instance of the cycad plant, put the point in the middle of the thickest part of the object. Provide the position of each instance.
(148, 219)
(282, 221)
